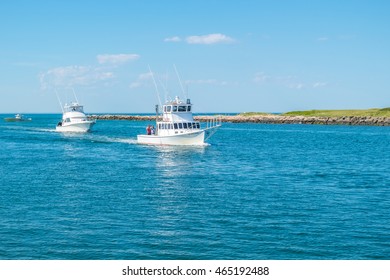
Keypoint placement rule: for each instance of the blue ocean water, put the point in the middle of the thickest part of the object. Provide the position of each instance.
(256, 192)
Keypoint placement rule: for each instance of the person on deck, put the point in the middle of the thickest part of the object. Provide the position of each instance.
(148, 130)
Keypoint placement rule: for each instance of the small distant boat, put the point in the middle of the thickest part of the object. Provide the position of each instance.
(178, 126)
(18, 118)
(74, 119)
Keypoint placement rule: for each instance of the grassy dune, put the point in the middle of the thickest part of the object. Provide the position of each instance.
(252, 114)
(385, 112)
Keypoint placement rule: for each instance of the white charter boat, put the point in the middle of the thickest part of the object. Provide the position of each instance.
(178, 127)
(74, 119)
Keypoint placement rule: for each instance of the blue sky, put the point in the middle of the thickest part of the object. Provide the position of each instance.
(232, 56)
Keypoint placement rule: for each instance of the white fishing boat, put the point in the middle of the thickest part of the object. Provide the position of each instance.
(177, 126)
(17, 118)
(74, 119)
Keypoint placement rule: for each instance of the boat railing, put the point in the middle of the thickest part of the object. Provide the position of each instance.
(213, 122)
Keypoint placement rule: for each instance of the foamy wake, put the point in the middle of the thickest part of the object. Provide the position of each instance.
(126, 141)
(33, 129)
(107, 139)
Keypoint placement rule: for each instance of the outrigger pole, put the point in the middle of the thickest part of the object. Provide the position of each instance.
(181, 85)
(155, 85)
(165, 90)
(58, 98)
(74, 94)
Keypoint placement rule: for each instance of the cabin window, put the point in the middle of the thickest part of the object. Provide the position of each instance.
(180, 125)
(185, 125)
(174, 109)
(67, 120)
(189, 109)
(197, 125)
(169, 108)
(175, 124)
(189, 125)
(165, 108)
(182, 108)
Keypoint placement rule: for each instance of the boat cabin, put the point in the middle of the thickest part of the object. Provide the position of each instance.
(177, 118)
(73, 112)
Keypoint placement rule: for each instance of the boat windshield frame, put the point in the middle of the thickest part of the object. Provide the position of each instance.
(74, 108)
(179, 108)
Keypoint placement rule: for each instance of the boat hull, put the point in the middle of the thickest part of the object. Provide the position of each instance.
(76, 127)
(194, 138)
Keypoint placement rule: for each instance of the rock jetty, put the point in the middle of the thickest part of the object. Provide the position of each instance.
(269, 119)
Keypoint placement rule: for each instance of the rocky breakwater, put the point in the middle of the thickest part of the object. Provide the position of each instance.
(280, 119)
(123, 117)
(270, 118)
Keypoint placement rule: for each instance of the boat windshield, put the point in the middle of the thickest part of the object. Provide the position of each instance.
(74, 108)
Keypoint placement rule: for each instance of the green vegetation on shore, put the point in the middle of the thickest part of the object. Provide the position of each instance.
(252, 114)
(385, 112)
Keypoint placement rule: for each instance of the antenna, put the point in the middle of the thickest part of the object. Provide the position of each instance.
(58, 98)
(155, 85)
(165, 89)
(74, 94)
(181, 85)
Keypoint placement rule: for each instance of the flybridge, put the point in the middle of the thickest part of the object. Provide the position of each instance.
(74, 107)
(177, 110)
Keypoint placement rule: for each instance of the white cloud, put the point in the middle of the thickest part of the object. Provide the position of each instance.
(145, 76)
(135, 85)
(291, 82)
(145, 79)
(296, 85)
(116, 58)
(172, 39)
(73, 75)
(261, 77)
(68, 76)
(142, 80)
(319, 84)
(209, 39)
